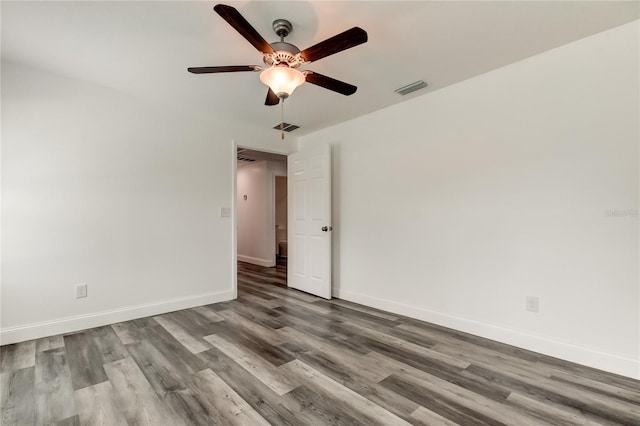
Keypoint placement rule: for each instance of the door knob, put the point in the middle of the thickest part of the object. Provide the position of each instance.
(327, 228)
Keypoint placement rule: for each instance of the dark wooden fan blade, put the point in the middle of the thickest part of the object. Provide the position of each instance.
(331, 83)
(241, 25)
(272, 98)
(335, 44)
(231, 68)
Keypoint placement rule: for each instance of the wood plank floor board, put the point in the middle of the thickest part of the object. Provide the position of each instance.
(245, 325)
(127, 332)
(134, 396)
(372, 391)
(274, 354)
(420, 350)
(208, 313)
(473, 340)
(609, 410)
(451, 346)
(479, 403)
(484, 356)
(283, 357)
(330, 331)
(553, 413)
(190, 339)
(447, 408)
(366, 411)
(17, 356)
(70, 421)
(260, 314)
(161, 373)
(47, 343)
(324, 329)
(551, 363)
(224, 402)
(189, 405)
(265, 303)
(354, 315)
(617, 392)
(259, 305)
(222, 306)
(281, 293)
(17, 396)
(107, 343)
(264, 400)
(299, 314)
(427, 417)
(255, 365)
(97, 406)
(144, 322)
(280, 296)
(249, 277)
(53, 388)
(441, 370)
(85, 360)
(419, 340)
(321, 410)
(366, 309)
(368, 368)
(612, 406)
(181, 358)
(197, 324)
(246, 287)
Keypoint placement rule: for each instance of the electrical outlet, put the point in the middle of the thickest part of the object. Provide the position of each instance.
(81, 291)
(533, 304)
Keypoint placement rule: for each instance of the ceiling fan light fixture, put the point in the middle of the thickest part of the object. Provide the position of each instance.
(282, 80)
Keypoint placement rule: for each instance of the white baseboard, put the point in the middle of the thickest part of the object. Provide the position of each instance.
(589, 357)
(257, 261)
(97, 319)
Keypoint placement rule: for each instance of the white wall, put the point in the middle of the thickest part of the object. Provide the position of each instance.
(105, 189)
(455, 206)
(256, 214)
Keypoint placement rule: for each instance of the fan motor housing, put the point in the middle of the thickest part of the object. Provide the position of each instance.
(283, 46)
(285, 54)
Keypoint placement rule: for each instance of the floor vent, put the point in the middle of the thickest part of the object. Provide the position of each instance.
(417, 85)
(287, 127)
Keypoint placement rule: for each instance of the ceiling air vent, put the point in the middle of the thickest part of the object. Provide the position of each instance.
(287, 127)
(248, 160)
(417, 85)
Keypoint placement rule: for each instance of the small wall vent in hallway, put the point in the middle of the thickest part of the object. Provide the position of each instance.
(287, 127)
(417, 85)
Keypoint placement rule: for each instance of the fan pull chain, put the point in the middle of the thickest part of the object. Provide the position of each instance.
(282, 118)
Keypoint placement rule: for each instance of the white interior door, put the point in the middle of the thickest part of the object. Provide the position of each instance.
(309, 187)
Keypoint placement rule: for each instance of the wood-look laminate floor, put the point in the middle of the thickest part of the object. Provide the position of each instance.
(279, 356)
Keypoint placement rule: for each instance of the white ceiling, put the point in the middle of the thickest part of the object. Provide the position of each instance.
(144, 48)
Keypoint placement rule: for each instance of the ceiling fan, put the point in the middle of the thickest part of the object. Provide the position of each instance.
(282, 59)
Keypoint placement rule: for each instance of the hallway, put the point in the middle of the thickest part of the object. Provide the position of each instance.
(277, 275)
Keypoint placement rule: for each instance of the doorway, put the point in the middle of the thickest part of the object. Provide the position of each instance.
(261, 214)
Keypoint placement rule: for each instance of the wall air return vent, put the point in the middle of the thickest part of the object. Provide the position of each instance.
(417, 85)
(286, 127)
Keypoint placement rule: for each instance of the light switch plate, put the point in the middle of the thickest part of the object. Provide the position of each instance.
(225, 212)
(81, 291)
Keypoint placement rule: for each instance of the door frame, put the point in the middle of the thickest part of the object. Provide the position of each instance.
(234, 218)
(234, 206)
